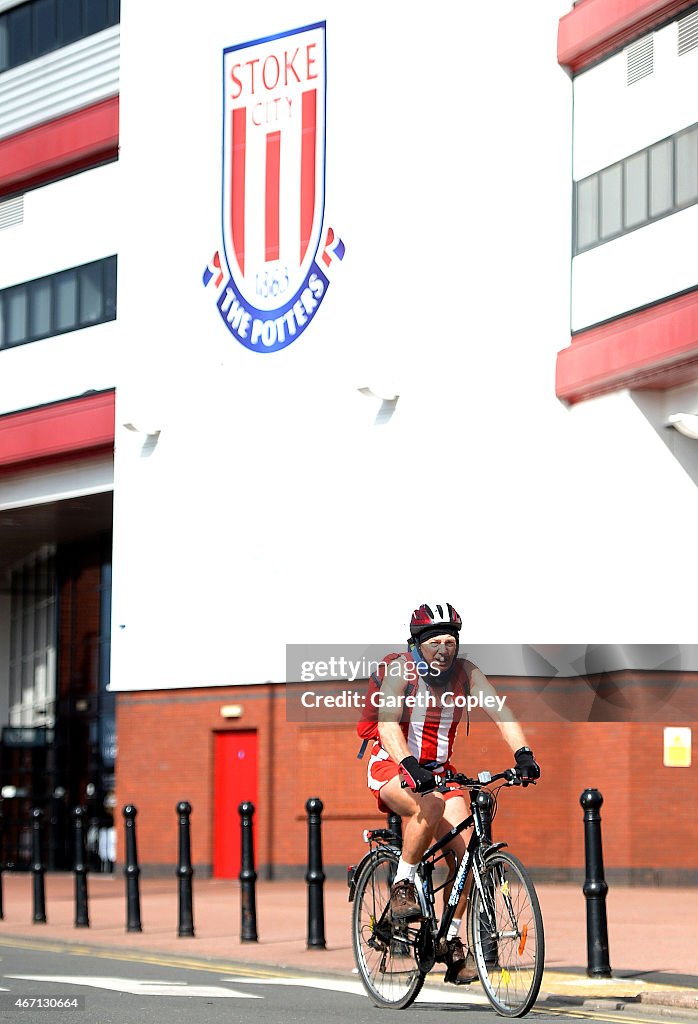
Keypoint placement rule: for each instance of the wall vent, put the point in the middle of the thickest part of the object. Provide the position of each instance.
(12, 212)
(688, 33)
(640, 59)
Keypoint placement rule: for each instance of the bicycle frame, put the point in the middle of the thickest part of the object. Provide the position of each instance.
(468, 864)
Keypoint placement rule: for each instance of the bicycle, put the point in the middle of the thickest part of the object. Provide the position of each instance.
(504, 922)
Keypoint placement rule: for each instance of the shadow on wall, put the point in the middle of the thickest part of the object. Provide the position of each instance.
(657, 407)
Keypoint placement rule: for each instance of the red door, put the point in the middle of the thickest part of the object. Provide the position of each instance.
(235, 781)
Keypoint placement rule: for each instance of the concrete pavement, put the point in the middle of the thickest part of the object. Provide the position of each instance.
(652, 932)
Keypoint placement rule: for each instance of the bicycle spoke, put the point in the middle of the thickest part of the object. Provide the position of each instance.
(509, 954)
(385, 957)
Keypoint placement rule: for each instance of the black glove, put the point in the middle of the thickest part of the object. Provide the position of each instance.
(419, 779)
(527, 765)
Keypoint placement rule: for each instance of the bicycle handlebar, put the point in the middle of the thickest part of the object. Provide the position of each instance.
(511, 776)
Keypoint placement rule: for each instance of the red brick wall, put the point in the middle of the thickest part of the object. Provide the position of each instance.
(166, 743)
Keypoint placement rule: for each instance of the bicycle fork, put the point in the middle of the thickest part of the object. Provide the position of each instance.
(488, 911)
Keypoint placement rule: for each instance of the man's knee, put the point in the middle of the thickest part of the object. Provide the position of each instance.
(430, 810)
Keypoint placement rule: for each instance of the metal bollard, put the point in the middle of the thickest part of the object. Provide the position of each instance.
(595, 888)
(315, 876)
(82, 919)
(185, 871)
(395, 824)
(2, 856)
(132, 872)
(248, 875)
(38, 868)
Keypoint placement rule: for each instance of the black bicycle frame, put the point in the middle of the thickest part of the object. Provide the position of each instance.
(461, 875)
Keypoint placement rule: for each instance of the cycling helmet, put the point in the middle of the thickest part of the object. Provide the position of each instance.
(434, 619)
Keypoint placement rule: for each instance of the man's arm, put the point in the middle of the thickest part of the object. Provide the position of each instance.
(419, 779)
(390, 712)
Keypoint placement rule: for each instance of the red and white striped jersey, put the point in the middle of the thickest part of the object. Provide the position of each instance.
(430, 725)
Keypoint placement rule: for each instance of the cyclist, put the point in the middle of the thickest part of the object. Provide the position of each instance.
(416, 702)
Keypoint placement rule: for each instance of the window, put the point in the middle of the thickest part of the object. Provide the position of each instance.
(611, 201)
(661, 184)
(635, 190)
(33, 641)
(687, 167)
(59, 303)
(40, 26)
(587, 213)
(647, 185)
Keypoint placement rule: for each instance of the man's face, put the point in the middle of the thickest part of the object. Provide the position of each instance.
(439, 651)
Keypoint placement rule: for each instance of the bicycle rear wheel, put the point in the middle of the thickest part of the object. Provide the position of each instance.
(507, 936)
(384, 954)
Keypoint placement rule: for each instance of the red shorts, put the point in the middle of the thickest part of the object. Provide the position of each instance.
(382, 769)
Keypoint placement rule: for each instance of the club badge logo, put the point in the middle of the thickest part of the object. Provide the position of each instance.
(277, 255)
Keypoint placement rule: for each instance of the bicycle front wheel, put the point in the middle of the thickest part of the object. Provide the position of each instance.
(384, 953)
(507, 935)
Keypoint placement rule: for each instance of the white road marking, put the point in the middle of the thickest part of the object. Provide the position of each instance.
(138, 987)
(449, 994)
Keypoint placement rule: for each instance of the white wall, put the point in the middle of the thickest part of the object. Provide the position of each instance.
(643, 266)
(271, 509)
(613, 119)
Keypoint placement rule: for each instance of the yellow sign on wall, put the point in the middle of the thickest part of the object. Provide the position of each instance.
(677, 747)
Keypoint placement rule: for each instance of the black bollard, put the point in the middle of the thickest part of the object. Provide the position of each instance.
(248, 875)
(38, 868)
(132, 872)
(395, 825)
(185, 872)
(2, 858)
(315, 876)
(595, 888)
(82, 919)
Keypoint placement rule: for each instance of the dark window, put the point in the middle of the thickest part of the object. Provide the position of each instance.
(61, 302)
(16, 315)
(96, 16)
(45, 26)
(91, 293)
(65, 289)
(40, 26)
(110, 288)
(19, 24)
(69, 21)
(40, 308)
(4, 45)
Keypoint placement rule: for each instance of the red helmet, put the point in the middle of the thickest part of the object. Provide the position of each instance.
(434, 619)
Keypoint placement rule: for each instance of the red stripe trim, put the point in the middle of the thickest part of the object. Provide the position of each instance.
(657, 347)
(596, 28)
(237, 185)
(76, 427)
(273, 173)
(48, 151)
(308, 144)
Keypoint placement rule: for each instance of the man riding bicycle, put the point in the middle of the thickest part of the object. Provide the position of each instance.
(416, 702)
